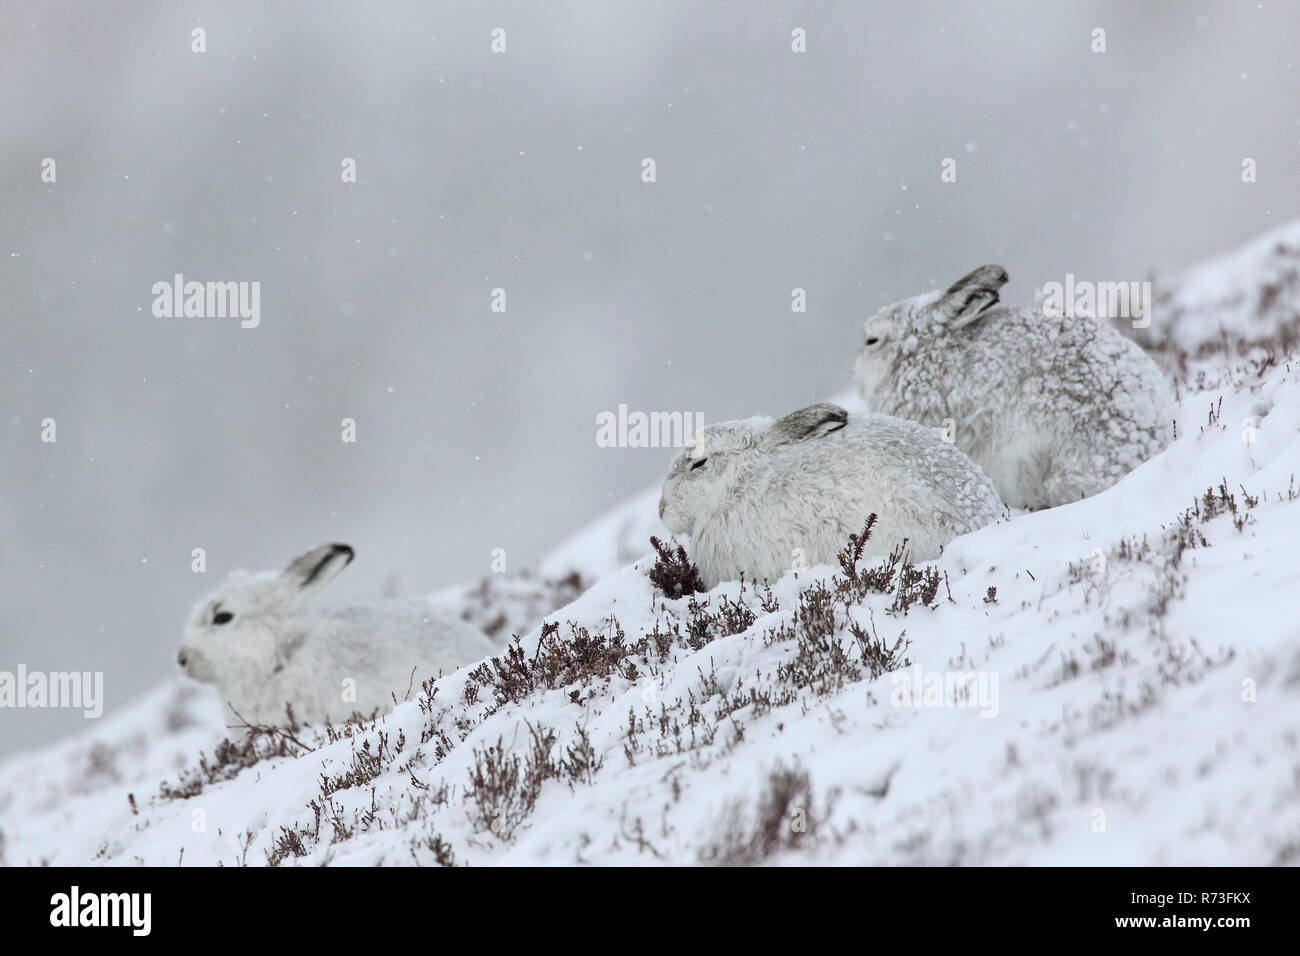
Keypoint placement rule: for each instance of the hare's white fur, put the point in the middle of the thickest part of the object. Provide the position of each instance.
(274, 650)
(1053, 409)
(758, 496)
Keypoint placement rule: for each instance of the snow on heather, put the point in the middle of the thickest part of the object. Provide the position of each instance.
(503, 604)
(1140, 663)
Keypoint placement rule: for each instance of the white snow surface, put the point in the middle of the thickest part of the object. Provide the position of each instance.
(1147, 706)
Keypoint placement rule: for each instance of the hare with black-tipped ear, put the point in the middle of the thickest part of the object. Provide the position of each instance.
(1052, 408)
(258, 641)
(757, 496)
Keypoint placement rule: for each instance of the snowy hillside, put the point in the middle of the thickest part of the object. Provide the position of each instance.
(1112, 681)
(611, 542)
(1247, 298)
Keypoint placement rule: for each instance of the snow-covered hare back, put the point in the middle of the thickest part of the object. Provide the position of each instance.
(1052, 408)
(256, 641)
(760, 497)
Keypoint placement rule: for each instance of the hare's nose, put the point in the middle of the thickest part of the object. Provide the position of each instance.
(180, 658)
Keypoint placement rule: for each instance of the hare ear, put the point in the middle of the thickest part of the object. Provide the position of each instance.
(311, 571)
(807, 423)
(970, 296)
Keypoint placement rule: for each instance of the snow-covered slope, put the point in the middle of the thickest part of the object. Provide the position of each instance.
(1112, 681)
(504, 604)
(1244, 298)
(613, 540)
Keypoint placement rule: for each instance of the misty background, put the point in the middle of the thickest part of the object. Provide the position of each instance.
(522, 170)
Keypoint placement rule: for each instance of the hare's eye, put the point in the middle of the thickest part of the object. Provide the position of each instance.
(223, 617)
(698, 463)
(873, 340)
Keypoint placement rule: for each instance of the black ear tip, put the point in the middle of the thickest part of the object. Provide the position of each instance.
(344, 549)
(834, 416)
(826, 412)
(990, 276)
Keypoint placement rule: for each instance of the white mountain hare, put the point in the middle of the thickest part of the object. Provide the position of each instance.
(254, 639)
(1053, 409)
(760, 497)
